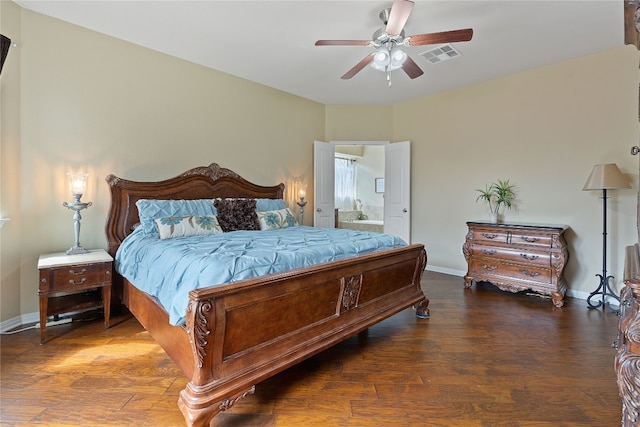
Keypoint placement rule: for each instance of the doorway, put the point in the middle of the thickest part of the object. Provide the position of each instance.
(359, 187)
(392, 188)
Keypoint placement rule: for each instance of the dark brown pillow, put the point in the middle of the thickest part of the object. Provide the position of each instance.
(237, 214)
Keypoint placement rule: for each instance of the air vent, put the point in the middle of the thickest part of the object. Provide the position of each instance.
(440, 54)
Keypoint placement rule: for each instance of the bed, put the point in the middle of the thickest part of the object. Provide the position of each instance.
(238, 334)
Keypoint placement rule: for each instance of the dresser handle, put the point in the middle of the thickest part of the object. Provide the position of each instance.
(530, 239)
(529, 257)
(529, 273)
(84, 279)
(489, 236)
(488, 268)
(488, 251)
(78, 273)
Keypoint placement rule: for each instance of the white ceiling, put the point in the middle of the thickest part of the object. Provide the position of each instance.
(272, 42)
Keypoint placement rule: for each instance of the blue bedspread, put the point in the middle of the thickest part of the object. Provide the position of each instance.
(168, 269)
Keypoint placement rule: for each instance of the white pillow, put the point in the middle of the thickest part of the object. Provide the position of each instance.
(281, 218)
(185, 226)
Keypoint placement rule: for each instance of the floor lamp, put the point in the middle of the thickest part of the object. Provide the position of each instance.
(604, 177)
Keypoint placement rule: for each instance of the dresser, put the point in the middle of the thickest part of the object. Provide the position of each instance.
(517, 257)
(65, 282)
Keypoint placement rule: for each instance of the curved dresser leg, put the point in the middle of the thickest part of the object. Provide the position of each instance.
(557, 298)
(468, 281)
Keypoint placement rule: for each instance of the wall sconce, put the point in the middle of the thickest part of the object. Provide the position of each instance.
(302, 203)
(78, 185)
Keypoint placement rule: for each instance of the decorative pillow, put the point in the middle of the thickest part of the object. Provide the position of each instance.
(186, 226)
(237, 214)
(263, 205)
(149, 210)
(280, 218)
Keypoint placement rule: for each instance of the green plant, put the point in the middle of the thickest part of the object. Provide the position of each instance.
(498, 194)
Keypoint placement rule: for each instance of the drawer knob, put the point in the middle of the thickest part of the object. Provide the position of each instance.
(530, 239)
(529, 273)
(488, 267)
(84, 279)
(489, 236)
(78, 273)
(530, 257)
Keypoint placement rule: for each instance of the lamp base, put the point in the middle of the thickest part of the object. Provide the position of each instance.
(75, 250)
(605, 290)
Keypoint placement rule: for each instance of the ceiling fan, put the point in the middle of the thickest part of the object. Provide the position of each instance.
(387, 40)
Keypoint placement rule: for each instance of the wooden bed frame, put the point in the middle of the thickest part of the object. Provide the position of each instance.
(239, 334)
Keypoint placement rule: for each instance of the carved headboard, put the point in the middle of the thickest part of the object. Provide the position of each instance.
(204, 182)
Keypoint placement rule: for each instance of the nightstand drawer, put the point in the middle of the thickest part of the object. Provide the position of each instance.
(71, 278)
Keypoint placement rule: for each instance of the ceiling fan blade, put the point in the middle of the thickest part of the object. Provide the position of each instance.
(400, 11)
(443, 37)
(343, 43)
(358, 67)
(411, 68)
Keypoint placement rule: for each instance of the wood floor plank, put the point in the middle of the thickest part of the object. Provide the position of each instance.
(484, 358)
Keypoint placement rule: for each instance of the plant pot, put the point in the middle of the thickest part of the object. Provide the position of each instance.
(493, 217)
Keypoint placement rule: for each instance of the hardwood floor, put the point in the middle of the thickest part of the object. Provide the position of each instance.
(484, 358)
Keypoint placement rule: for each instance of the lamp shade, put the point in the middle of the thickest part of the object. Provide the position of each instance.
(606, 177)
(77, 182)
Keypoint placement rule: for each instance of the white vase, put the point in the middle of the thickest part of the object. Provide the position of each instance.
(493, 217)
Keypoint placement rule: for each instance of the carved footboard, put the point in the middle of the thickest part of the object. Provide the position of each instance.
(238, 335)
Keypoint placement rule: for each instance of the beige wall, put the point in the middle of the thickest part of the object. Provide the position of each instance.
(95, 103)
(91, 102)
(359, 123)
(544, 130)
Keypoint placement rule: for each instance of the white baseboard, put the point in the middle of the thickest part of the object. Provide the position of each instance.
(443, 270)
(16, 322)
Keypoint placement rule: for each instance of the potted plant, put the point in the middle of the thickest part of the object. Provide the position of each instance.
(497, 195)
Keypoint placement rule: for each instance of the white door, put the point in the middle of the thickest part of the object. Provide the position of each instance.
(324, 184)
(397, 194)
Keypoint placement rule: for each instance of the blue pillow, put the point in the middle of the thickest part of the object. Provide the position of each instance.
(149, 210)
(264, 205)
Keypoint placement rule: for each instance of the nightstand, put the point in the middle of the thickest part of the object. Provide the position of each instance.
(66, 279)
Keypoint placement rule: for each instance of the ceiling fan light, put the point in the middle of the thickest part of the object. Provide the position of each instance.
(397, 57)
(381, 58)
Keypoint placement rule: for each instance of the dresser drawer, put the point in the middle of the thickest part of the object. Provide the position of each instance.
(493, 236)
(521, 237)
(492, 267)
(514, 255)
(74, 277)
